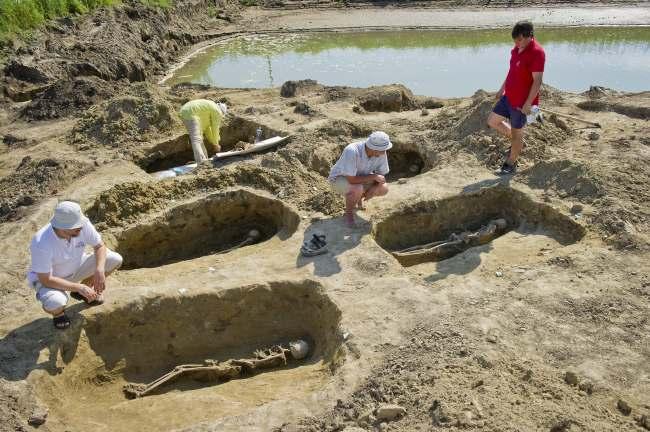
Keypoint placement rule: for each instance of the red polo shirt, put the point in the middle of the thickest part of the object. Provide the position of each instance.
(520, 75)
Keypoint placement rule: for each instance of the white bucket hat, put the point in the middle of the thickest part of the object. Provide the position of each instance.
(223, 108)
(379, 141)
(68, 215)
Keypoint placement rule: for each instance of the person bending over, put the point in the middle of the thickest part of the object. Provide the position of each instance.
(203, 117)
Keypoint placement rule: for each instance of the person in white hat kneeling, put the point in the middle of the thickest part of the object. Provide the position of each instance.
(60, 263)
(359, 173)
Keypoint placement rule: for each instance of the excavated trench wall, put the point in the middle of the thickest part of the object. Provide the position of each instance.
(430, 221)
(404, 164)
(140, 341)
(145, 339)
(204, 226)
(177, 150)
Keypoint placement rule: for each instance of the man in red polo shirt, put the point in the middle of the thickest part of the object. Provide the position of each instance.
(519, 92)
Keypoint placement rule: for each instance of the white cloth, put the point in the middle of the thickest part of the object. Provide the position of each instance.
(196, 139)
(60, 257)
(53, 299)
(355, 162)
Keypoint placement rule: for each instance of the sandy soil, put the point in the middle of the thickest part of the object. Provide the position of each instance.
(545, 328)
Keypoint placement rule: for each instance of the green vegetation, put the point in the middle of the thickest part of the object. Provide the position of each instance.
(157, 3)
(21, 16)
(248, 2)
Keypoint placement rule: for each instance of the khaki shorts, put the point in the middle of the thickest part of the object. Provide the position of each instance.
(341, 185)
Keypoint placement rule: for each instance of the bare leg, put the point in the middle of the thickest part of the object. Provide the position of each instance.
(351, 199)
(90, 280)
(517, 143)
(377, 189)
(499, 124)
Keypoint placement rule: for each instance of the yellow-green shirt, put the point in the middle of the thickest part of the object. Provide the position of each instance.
(209, 116)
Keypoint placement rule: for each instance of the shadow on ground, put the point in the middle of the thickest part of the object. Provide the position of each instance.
(20, 349)
(461, 264)
(504, 180)
(339, 239)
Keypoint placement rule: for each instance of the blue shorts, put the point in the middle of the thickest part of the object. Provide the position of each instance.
(504, 109)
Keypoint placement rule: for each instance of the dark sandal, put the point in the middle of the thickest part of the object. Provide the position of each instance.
(319, 240)
(306, 251)
(316, 246)
(61, 322)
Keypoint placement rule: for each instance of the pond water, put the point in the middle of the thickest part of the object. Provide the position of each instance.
(433, 63)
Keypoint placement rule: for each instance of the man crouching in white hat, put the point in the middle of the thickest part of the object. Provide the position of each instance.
(60, 264)
(359, 173)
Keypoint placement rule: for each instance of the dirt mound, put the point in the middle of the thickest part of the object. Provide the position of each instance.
(429, 102)
(548, 94)
(490, 147)
(299, 88)
(346, 128)
(567, 177)
(388, 98)
(633, 111)
(131, 41)
(476, 118)
(314, 152)
(140, 115)
(34, 179)
(597, 92)
(68, 97)
(621, 227)
(287, 179)
(22, 71)
(17, 405)
(304, 108)
(540, 138)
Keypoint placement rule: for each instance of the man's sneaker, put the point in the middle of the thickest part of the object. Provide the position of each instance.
(508, 169)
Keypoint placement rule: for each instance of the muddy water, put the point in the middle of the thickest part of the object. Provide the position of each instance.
(435, 63)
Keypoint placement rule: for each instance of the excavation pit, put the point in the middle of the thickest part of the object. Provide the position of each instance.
(432, 231)
(205, 226)
(404, 164)
(141, 341)
(177, 151)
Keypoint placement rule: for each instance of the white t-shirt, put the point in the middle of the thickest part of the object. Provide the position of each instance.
(355, 162)
(62, 258)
